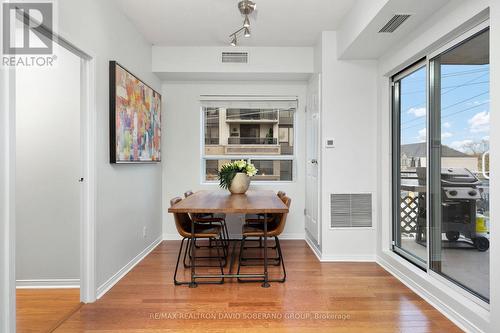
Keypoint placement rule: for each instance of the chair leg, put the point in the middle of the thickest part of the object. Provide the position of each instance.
(177, 265)
(242, 246)
(275, 261)
(188, 248)
(220, 258)
(224, 227)
(281, 259)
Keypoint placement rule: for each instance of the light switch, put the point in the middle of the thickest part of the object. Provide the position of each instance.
(329, 143)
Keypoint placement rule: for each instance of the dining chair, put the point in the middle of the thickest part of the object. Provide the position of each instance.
(253, 219)
(183, 224)
(210, 219)
(274, 229)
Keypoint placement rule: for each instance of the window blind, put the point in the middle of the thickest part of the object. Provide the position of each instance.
(249, 102)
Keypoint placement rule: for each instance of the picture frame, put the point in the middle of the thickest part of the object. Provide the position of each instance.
(134, 118)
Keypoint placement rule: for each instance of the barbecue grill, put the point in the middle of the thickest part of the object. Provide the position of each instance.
(459, 197)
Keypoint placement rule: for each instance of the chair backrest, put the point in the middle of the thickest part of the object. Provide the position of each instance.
(281, 194)
(182, 220)
(188, 193)
(282, 219)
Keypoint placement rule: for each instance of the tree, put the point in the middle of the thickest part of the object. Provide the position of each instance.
(477, 149)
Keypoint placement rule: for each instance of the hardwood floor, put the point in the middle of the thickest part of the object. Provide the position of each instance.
(42, 310)
(347, 297)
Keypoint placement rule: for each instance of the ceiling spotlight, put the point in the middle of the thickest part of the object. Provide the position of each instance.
(234, 41)
(246, 23)
(247, 32)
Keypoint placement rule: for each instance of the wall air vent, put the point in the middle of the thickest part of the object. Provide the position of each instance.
(235, 57)
(352, 210)
(394, 23)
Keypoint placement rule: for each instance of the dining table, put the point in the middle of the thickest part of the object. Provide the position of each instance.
(263, 202)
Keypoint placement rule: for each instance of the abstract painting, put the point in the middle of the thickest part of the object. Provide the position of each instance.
(135, 118)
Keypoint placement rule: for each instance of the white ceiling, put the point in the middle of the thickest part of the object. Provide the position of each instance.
(209, 22)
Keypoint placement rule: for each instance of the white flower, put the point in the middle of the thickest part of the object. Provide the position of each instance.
(251, 170)
(241, 164)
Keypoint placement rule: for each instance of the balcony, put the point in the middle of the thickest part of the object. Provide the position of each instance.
(251, 116)
(252, 141)
(211, 141)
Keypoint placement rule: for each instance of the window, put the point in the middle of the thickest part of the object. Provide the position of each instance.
(441, 164)
(259, 131)
(410, 147)
(212, 126)
(459, 164)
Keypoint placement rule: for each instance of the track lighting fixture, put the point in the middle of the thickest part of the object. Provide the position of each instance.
(234, 41)
(246, 7)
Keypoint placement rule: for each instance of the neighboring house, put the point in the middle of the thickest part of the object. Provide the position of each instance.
(415, 155)
(249, 132)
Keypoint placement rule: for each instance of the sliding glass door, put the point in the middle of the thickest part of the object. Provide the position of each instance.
(460, 164)
(441, 164)
(410, 148)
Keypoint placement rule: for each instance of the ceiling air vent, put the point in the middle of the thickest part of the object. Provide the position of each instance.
(235, 57)
(394, 23)
(351, 210)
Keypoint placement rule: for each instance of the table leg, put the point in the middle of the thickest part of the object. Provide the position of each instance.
(193, 257)
(265, 284)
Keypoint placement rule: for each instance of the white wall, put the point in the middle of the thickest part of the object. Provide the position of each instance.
(128, 196)
(171, 59)
(443, 26)
(47, 170)
(182, 150)
(349, 104)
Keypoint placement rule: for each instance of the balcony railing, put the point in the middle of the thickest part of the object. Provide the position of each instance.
(251, 115)
(252, 141)
(211, 141)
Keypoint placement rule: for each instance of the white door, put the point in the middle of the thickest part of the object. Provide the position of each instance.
(312, 163)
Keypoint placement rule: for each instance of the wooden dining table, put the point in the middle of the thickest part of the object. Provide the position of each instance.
(252, 202)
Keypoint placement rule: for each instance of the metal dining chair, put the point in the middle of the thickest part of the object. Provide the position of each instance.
(274, 229)
(183, 224)
(257, 219)
(210, 218)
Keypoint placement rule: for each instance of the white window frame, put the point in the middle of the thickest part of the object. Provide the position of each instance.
(293, 157)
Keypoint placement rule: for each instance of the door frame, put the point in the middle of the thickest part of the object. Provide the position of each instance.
(7, 203)
(88, 126)
(457, 40)
(317, 242)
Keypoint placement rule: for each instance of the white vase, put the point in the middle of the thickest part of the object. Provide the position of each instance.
(240, 183)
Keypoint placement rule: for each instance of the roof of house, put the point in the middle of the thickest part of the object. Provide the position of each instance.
(420, 150)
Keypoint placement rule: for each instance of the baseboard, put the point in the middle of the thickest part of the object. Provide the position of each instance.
(297, 236)
(434, 301)
(284, 236)
(338, 258)
(106, 286)
(171, 237)
(348, 258)
(313, 247)
(48, 284)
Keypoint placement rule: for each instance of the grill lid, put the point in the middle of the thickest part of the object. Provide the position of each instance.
(457, 176)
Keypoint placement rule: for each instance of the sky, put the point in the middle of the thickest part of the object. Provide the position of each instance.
(465, 111)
